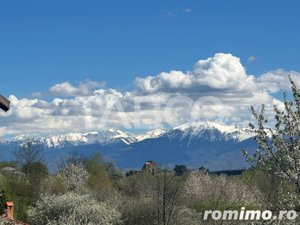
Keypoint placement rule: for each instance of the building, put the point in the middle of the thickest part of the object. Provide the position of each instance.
(150, 167)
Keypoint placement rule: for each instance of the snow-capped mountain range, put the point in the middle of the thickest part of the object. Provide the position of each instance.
(212, 131)
(195, 144)
(62, 140)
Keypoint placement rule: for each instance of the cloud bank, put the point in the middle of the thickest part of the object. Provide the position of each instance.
(217, 89)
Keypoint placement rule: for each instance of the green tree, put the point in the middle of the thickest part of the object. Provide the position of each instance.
(35, 173)
(180, 170)
(98, 177)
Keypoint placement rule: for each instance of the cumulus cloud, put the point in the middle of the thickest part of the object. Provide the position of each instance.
(277, 80)
(173, 80)
(216, 89)
(222, 72)
(67, 89)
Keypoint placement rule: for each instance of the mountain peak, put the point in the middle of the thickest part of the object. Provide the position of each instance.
(206, 125)
(150, 134)
(214, 130)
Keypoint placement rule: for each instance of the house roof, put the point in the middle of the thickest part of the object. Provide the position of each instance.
(149, 162)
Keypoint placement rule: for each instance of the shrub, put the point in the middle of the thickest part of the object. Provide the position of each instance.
(75, 175)
(71, 209)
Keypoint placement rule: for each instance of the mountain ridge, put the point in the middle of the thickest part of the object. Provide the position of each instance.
(107, 136)
(215, 146)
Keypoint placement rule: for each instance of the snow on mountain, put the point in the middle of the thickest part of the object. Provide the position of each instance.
(150, 134)
(58, 141)
(243, 134)
(205, 130)
(197, 126)
(109, 136)
(211, 131)
(196, 144)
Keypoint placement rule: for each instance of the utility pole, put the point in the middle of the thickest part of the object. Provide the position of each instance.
(4, 103)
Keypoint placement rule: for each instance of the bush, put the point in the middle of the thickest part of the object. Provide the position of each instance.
(75, 175)
(204, 191)
(55, 185)
(70, 209)
(139, 211)
(98, 177)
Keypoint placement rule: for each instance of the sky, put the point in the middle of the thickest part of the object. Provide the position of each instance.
(76, 66)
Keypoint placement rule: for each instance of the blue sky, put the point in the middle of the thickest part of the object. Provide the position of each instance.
(65, 62)
(46, 42)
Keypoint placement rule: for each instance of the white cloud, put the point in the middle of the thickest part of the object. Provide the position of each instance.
(216, 89)
(67, 89)
(223, 71)
(164, 82)
(275, 81)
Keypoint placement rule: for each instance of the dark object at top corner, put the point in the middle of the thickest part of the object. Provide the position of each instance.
(4, 103)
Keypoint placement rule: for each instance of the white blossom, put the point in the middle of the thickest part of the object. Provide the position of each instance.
(72, 209)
